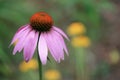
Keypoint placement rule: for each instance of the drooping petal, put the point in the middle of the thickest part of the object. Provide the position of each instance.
(61, 32)
(54, 45)
(19, 33)
(30, 45)
(22, 27)
(64, 46)
(21, 40)
(49, 42)
(42, 48)
(57, 40)
(62, 42)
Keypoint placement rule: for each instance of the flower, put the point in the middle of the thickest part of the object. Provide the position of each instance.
(32, 64)
(80, 41)
(114, 56)
(52, 75)
(76, 28)
(40, 32)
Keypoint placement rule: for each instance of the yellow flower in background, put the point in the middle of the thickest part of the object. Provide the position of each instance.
(114, 57)
(80, 41)
(52, 75)
(32, 64)
(76, 28)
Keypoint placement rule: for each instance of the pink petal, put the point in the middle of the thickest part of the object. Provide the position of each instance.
(19, 33)
(21, 41)
(22, 27)
(43, 50)
(58, 37)
(61, 32)
(54, 45)
(64, 46)
(62, 42)
(30, 45)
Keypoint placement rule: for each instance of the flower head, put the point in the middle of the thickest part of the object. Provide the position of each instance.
(52, 75)
(41, 22)
(76, 28)
(80, 41)
(40, 32)
(32, 64)
(114, 56)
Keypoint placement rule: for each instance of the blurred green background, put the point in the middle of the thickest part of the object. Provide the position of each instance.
(93, 27)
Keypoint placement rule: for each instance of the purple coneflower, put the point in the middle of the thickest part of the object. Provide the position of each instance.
(40, 32)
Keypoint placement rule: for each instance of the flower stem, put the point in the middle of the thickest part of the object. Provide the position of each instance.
(39, 62)
(40, 68)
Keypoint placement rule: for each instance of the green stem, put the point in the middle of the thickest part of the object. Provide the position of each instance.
(40, 68)
(39, 62)
(80, 63)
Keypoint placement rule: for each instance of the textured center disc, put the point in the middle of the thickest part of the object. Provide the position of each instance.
(41, 21)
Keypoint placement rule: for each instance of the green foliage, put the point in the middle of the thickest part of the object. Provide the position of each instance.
(102, 70)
